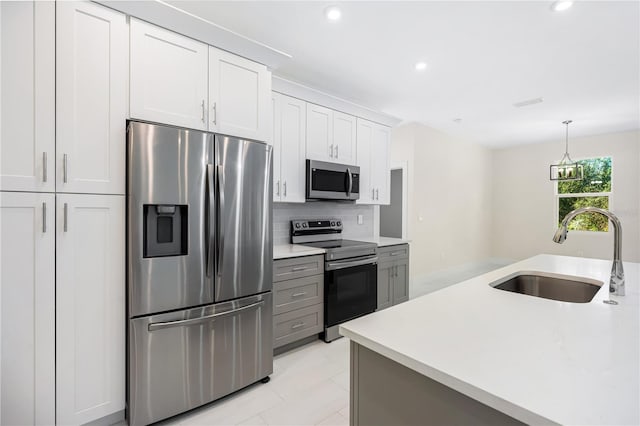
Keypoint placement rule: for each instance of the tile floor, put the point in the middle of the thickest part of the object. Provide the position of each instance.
(309, 386)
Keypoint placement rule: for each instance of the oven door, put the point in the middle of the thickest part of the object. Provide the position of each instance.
(329, 181)
(350, 289)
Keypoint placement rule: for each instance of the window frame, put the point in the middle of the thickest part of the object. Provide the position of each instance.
(609, 194)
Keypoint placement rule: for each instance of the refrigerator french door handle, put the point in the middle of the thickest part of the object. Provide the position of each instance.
(192, 321)
(210, 219)
(220, 226)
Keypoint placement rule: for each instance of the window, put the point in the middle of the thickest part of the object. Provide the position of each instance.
(592, 191)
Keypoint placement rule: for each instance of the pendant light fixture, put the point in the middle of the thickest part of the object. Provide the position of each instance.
(566, 169)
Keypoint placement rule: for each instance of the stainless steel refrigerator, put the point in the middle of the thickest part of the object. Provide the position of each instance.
(199, 273)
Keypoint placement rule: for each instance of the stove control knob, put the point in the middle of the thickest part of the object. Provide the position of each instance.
(297, 225)
(304, 225)
(333, 223)
(339, 223)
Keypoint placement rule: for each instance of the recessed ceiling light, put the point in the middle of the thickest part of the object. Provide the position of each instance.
(333, 13)
(559, 6)
(420, 66)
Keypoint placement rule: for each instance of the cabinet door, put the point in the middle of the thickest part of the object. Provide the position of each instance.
(90, 307)
(364, 149)
(27, 92)
(91, 101)
(385, 291)
(168, 77)
(239, 93)
(276, 129)
(400, 282)
(292, 169)
(320, 144)
(344, 138)
(27, 294)
(380, 164)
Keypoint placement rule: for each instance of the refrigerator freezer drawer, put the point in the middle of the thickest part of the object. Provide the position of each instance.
(181, 360)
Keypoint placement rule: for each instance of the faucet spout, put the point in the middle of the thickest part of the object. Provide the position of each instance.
(616, 283)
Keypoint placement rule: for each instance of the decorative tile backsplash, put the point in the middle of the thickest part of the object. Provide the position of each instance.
(283, 213)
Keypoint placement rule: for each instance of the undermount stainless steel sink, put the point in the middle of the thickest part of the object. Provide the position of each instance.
(563, 288)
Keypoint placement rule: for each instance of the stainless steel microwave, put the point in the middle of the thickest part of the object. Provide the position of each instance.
(331, 181)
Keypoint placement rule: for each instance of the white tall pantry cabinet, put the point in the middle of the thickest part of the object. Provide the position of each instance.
(62, 259)
(27, 296)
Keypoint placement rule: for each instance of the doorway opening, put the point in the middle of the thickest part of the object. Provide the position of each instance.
(393, 217)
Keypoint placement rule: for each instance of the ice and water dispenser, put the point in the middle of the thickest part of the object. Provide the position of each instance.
(165, 230)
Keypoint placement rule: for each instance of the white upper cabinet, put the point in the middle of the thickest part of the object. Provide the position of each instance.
(289, 149)
(344, 138)
(365, 148)
(239, 96)
(90, 307)
(27, 92)
(168, 77)
(27, 303)
(319, 133)
(380, 164)
(91, 98)
(373, 159)
(331, 135)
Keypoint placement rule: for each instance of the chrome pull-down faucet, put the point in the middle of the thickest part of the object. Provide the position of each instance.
(616, 284)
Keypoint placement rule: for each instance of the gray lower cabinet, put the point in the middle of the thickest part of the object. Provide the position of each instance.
(298, 299)
(393, 275)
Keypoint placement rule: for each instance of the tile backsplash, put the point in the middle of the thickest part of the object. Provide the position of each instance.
(283, 213)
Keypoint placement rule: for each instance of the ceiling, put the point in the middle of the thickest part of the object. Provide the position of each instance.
(482, 58)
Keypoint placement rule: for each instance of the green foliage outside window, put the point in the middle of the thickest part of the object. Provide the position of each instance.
(597, 179)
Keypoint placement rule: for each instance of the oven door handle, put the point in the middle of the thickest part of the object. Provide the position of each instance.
(332, 266)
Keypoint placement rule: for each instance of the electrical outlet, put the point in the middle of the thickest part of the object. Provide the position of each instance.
(360, 219)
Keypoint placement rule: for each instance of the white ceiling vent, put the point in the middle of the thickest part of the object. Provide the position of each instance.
(528, 102)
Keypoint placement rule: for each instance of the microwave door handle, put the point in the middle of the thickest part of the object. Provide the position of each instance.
(350, 183)
(211, 223)
(220, 227)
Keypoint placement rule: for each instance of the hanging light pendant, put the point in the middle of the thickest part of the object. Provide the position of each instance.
(566, 169)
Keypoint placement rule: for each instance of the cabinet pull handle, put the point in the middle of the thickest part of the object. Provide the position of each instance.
(65, 226)
(299, 294)
(396, 269)
(65, 168)
(373, 194)
(44, 217)
(337, 146)
(297, 325)
(299, 268)
(395, 253)
(284, 187)
(331, 155)
(202, 108)
(278, 188)
(377, 194)
(44, 166)
(215, 113)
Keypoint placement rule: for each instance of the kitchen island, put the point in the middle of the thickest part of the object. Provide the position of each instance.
(471, 353)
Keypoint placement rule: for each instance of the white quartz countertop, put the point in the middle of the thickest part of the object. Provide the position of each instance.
(384, 241)
(537, 360)
(285, 251)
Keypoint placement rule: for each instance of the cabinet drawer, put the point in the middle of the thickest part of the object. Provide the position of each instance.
(389, 253)
(297, 267)
(298, 324)
(299, 293)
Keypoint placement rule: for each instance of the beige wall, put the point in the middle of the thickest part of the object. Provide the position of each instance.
(524, 202)
(449, 187)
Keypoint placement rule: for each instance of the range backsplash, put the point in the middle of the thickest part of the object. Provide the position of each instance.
(283, 213)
